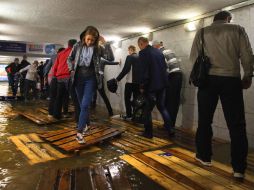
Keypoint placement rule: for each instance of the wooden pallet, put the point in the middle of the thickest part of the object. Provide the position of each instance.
(40, 117)
(38, 151)
(45, 109)
(87, 178)
(35, 149)
(175, 168)
(183, 137)
(132, 142)
(10, 98)
(65, 138)
(250, 161)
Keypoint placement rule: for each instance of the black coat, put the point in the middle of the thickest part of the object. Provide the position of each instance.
(13, 67)
(132, 61)
(153, 75)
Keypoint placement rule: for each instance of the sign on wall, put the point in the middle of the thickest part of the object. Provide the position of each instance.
(12, 47)
(50, 48)
(37, 48)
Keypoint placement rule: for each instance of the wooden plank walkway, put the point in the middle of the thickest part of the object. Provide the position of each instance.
(87, 178)
(250, 161)
(35, 149)
(10, 98)
(132, 142)
(38, 151)
(65, 138)
(175, 168)
(40, 116)
(183, 137)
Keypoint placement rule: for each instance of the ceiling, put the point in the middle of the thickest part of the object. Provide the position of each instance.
(56, 21)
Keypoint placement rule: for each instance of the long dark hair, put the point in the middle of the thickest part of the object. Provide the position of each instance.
(91, 30)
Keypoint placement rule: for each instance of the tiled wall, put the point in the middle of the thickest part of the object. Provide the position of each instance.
(179, 40)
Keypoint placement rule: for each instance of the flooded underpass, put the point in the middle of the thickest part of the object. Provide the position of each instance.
(15, 171)
(146, 166)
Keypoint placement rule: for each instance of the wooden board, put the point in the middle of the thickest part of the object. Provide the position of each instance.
(38, 151)
(87, 178)
(134, 143)
(40, 117)
(35, 149)
(173, 169)
(186, 154)
(250, 161)
(183, 137)
(65, 139)
(10, 98)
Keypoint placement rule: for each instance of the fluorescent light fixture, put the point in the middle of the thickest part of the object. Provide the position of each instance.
(142, 29)
(187, 15)
(111, 38)
(191, 26)
(5, 37)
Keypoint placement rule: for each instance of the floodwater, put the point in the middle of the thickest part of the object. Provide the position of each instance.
(17, 174)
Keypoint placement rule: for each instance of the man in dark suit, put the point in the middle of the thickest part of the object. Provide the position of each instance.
(131, 71)
(153, 80)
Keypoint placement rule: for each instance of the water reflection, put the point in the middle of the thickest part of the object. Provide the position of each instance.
(16, 173)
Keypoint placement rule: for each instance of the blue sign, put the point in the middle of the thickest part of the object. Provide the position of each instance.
(50, 48)
(3, 74)
(12, 47)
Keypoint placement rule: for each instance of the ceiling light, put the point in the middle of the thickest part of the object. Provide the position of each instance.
(111, 38)
(5, 37)
(191, 26)
(142, 29)
(187, 15)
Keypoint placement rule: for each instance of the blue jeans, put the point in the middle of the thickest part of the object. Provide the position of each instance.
(85, 89)
(156, 98)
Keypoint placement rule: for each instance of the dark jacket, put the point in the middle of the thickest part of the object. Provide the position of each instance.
(106, 62)
(23, 64)
(154, 75)
(131, 63)
(13, 68)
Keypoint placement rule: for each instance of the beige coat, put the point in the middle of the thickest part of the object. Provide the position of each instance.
(227, 46)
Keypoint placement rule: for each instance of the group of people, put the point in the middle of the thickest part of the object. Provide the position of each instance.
(25, 76)
(155, 73)
(147, 73)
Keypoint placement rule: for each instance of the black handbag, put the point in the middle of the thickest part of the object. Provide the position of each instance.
(112, 85)
(200, 69)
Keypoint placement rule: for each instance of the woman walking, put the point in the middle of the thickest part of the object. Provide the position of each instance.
(84, 63)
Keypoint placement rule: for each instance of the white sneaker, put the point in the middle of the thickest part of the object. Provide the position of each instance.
(85, 130)
(238, 175)
(80, 138)
(205, 163)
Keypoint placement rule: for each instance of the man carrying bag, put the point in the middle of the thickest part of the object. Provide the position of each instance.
(227, 46)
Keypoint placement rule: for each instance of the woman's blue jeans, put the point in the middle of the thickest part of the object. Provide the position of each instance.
(85, 89)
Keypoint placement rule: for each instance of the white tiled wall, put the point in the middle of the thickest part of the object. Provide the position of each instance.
(177, 39)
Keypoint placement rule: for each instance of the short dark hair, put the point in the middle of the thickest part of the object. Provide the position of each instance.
(60, 49)
(71, 42)
(222, 15)
(143, 39)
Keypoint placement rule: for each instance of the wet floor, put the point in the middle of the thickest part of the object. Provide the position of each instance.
(16, 173)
